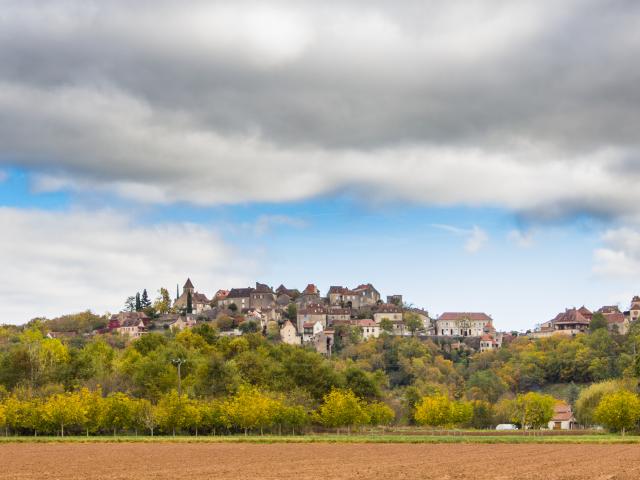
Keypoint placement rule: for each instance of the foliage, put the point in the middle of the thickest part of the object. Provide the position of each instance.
(618, 411)
(341, 408)
(533, 410)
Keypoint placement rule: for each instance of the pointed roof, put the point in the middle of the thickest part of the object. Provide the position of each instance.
(188, 284)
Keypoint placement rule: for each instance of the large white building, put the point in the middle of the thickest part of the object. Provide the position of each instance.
(463, 324)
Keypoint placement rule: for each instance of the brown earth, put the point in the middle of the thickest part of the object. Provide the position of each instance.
(317, 461)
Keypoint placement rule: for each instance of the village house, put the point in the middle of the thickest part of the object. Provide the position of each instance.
(199, 301)
(310, 330)
(312, 313)
(369, 296)
(289, 334)
(338, 314)
(292, 293)
(130, 324)
(262, 296)
(462, 324)
(633, 314)
(563, 418)
(323, 342)
(570, 322)
(182, 322)
(310, 295)
(343, 297)
(617, 322)
(240, 297)
(395, 300)
(370, 329)
(389, 311)
(62, 335)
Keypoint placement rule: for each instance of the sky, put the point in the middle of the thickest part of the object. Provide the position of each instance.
(473, 156)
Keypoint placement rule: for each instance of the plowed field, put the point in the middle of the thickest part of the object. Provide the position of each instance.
(317, 461)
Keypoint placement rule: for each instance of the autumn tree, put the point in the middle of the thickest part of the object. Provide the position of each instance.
(64, 410)
(618, 411)
(342, 408)
(533, 410)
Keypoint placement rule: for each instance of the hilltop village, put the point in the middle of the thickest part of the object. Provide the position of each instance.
(344, 314)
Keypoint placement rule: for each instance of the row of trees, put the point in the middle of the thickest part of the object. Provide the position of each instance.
(248, 410)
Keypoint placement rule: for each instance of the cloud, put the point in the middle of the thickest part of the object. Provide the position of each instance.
(59, 262)
(517, 105)
(620, 254)
(520, 238)
(265, 223)
(476, 237)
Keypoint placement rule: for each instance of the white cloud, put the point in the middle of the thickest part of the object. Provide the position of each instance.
(520, 238)
(476, 237)
(266, 223)
(620, 255)
(60, 262)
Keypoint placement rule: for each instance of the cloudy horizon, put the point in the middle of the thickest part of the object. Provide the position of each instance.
(472, 156)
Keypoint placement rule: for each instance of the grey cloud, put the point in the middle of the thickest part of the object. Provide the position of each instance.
(527, 105)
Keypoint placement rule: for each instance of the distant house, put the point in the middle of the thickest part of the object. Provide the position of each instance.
(570, 322)
(488, 342)
(338, 314)
(395, 300)
(324, 341)
(240, 297)
(262, 297)
(130, 324)
(563, 418)
(312, 313)
(343, 297)
(389, 311)
(617, 322)
(310, 330)
(289, 334)
(310, 295)
(462, 324)
(292, 293)
(634, 310)
(182, 322)
(369, 296)
(199, 301)
(370, 329)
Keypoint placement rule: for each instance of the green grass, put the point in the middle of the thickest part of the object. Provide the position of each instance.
(356, 438)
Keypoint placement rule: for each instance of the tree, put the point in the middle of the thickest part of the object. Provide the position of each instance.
(590, 398)
(380, 414)
(598, 321)
(162, 304)
(130, 304)
(292, 312)
(144, 300)
(482, 416)
(248, 327)
(118, 412)
(172, 412)
(533, 410)
(147, 415)
(386, 325)
(212, 414)
(64, 410)
(250, 409)
(93, 408)
(138, 302)
(233, 307)
(412, 322)
(189, 302)
(434, 411)
(618, 411)
(341, 408)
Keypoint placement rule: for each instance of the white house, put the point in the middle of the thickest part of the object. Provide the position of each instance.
(310, 330)
(289, 334)
(370, 329)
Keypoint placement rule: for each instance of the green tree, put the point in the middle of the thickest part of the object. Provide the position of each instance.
(386, 325)
(162, 304)
(598, 321)
(144, 300)
(434, 411)
(412, 322)
(618, 411)
(248, 326)
(189, 302)
(250, 409)
(380, 414)
(130, 304)
(138, 302)
(590, 398)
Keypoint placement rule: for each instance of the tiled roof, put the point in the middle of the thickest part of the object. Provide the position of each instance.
(311, 290)
(367, 322)
(388, 308)
(240, 292)
(471, 316)
(188, 284)
(572, 316)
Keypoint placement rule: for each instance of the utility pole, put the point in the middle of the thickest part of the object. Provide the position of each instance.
(178, 362)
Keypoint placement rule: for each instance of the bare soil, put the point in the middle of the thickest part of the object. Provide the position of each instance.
(317, 461)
